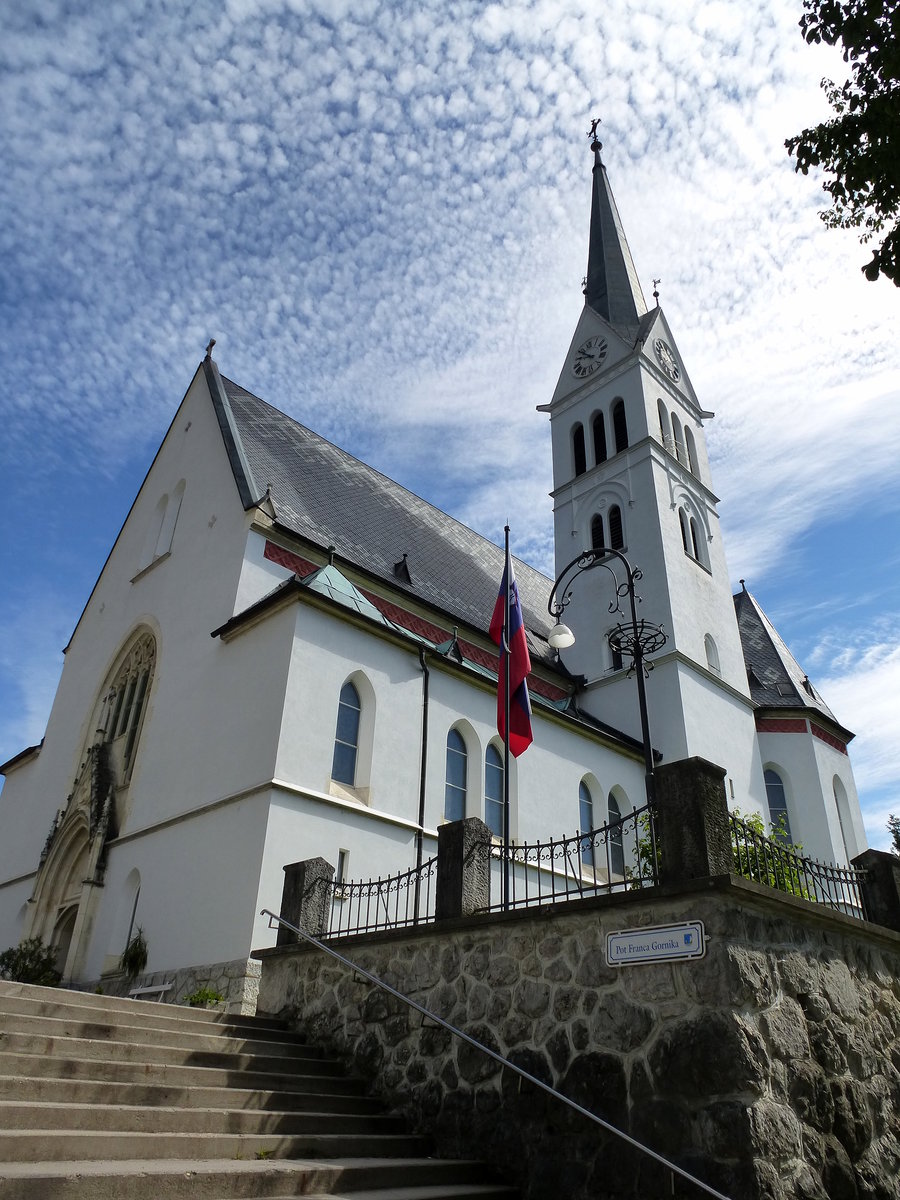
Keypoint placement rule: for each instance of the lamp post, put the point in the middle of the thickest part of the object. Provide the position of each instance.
(635, 637)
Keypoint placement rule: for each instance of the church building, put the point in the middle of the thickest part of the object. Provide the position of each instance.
(286, 655)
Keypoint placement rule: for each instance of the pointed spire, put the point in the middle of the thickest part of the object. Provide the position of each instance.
(612, 288)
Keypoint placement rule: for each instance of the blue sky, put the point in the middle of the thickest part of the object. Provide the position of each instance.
(380, 211)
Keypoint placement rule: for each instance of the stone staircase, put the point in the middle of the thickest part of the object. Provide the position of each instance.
(102, 1098)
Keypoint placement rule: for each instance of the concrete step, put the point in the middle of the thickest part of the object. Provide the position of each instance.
(76, 1146)
(290, 1061)
(236, 1179)
(193, 1037)
(185, 1076)
(55, 1090)
(134, 1118)
(56, 997)
(144, 1015)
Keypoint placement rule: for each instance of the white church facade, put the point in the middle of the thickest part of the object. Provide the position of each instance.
(286, 656)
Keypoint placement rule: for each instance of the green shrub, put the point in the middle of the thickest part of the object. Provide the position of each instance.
(134, 956)
(204, 995)
(30, 962)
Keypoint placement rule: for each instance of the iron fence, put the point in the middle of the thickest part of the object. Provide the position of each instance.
(617, 857)
(778, 865)
(362, 906)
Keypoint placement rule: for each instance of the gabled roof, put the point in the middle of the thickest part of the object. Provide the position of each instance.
(331, 499)
(776, 678)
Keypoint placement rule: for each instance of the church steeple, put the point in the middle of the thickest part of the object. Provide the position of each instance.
(612, 287)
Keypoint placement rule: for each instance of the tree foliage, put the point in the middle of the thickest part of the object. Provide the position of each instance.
(30, 962)
(859, 147)
(894, 830)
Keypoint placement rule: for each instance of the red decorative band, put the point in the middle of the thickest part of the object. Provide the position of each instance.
(780, 725)
(828, 738)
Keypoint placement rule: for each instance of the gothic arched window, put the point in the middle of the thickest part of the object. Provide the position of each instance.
(620, 426)
(678, 435)
(346, 737)
(586, 822)
(126, 699)
(616, 533)
(712, 653)
(597, 532)
(691, 448)
(777, 800)
(616, 849)
(598, 427)
(493, 791)
(457, 770)
(578, 452)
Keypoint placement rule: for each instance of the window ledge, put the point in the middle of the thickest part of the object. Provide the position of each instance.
(149, 567)
(356, 795)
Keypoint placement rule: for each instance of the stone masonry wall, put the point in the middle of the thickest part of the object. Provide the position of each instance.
(770, 1068)
(237, 981)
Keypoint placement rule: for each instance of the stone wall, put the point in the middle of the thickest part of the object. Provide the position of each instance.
(770, 1068)
(237, 981)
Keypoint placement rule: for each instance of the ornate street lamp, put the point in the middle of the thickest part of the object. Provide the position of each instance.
(636, 638)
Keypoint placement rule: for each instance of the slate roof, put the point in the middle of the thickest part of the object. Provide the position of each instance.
(330, 498)
(776, 678)
(612, 287)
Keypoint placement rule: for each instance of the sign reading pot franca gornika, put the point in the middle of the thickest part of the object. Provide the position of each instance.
(656, 943)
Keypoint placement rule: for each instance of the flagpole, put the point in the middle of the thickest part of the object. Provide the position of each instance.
(506, 658)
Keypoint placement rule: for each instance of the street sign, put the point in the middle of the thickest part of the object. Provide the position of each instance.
(656, 943)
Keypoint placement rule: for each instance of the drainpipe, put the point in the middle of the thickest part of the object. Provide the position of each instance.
(420, 832)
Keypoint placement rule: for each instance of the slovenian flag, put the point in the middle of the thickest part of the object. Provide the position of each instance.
(520, 735)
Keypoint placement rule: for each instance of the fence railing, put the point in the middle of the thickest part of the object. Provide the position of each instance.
(616, 857)
(362, 906)
(776, 865)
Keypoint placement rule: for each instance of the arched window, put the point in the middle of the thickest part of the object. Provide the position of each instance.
(167, 529)
(346, 737)
(665, 432)
(578, 453)
(712, 654)
(691, 448)
(682, 521)
(678, 435)
(695, 541)
(493, 791)
(843, 812)
(616, 849)
(457, 769)
(616, 534)
(620, 426)
(126, 699)
(586, 822)
(598, 427)
(597, 532)
(777, 800)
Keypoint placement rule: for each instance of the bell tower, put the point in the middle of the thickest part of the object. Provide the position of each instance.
(630, 471)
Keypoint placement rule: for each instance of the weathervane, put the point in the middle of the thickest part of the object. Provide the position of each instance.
(596, 144)
(656, 283)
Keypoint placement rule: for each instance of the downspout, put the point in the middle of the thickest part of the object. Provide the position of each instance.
(420, 831)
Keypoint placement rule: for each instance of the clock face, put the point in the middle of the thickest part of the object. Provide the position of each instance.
(589, 357)
(665, 356)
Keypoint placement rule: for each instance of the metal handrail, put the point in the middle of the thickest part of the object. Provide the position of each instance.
(504, 1062)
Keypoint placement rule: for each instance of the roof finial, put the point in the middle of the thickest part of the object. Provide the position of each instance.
(656, 283)
(596, 144)
(209, 348)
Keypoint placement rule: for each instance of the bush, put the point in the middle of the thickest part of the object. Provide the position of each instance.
(30, 962)
(204, 995)
(134, 956)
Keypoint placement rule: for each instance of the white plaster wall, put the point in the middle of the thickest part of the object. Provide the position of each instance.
(198, 889)
(13, 902)
(259, 576)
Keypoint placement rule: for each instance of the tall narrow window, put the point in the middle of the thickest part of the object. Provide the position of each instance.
(128, 697)
(778, 813)
(597, 532)
(598, 427)
(455, 785)
(712, 654)
(586, 823)
(691, 448)
(682, 520)
(616, 534)
(620, 426)
(615, 657)
(578, 453)
(665, 432)
(616, 849)
(678, 435)
(346, 738)
(843, 813)
(695, 541)
(493, 791)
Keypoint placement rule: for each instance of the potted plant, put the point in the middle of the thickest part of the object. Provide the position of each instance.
(134, 956)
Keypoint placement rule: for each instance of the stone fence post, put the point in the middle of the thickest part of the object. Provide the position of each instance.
(463, 868)
(881, 886)
(692, 820)
(304, 899)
